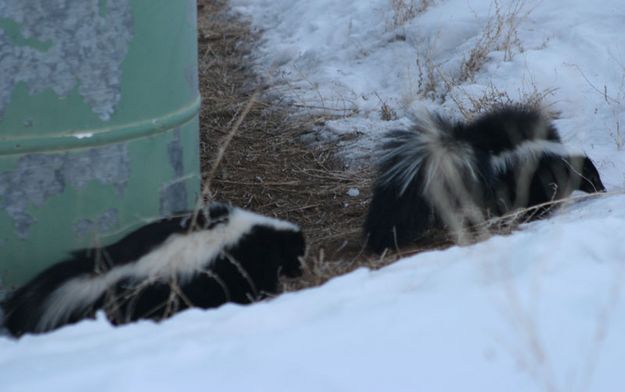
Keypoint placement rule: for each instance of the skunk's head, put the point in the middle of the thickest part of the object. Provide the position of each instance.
(560, 175)
(266, 247)
(591, 181)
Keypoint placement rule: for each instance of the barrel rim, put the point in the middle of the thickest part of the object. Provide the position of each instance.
(102, 136)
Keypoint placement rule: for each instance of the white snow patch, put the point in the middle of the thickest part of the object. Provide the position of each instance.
(353, 192)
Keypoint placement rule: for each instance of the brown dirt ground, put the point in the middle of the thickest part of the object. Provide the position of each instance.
(266, 167)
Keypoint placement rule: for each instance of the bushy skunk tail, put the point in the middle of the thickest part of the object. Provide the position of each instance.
(429, 176)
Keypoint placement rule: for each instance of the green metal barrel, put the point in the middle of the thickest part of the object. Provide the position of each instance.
(98, 124)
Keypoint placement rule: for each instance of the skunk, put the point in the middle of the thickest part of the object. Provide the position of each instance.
(444, 175)
(222, 254)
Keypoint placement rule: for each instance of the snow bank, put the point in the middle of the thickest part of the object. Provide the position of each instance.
(538, 310)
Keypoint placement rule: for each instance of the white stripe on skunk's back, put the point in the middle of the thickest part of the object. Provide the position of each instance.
(244, 220)
(528, 152)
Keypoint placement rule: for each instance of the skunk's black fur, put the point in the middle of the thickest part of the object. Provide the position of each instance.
(226, 255)
(445, 175)
(507, 127)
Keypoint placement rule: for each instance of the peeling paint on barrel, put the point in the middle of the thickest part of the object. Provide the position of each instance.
(38, 177)
(84, 48)
(98, 225)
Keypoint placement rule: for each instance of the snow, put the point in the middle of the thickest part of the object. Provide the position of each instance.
(479, 318)
(349, 57)
(538, 310)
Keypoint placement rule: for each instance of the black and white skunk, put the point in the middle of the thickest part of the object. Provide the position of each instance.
(452, 176)
(226, 255)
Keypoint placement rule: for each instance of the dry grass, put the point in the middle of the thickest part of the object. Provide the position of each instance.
(428, 78)
(469, 105)
(406, 10)
(499, 34)
(386, 111)
(266, 167)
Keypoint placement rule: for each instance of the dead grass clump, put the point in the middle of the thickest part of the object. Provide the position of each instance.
(428, 79)
(387, 113)
(471, 105)
(405, 10)
(320, 267)
(499, 34)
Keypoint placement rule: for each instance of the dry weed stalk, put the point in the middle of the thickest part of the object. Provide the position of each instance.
(386, 111)
(470, 105)
(500, 33)
(616, 104)
(536, 355)
(427, 72)
(506, 224)
(602, 326)
(406, 10)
